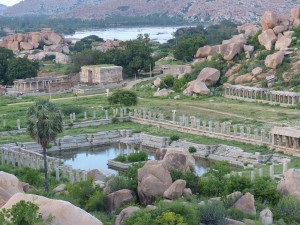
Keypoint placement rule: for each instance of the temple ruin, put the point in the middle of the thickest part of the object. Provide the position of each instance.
(261, 94)
(97, 74)
(286, 137)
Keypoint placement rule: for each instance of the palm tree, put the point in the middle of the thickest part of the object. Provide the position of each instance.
(44, 122)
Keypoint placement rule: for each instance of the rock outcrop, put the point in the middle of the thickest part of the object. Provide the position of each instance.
(118, 198)
(153, 180)
(267, 38)
(290, 183)
(9, 185)
(63, 212)
(246, 204)
(157, 82)
(162, 92)
(269, 20)
(266, 216)
(274, 60)
(209, 76)
(175, 190)
(125, 213)
(179, 159)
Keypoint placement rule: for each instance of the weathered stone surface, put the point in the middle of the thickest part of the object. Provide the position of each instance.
(161, 93)
(35, 37)
(209, 76)
(246, 204)
(229, 51)
(63, 212)
(248, 29)
(26, 46)
(206, 51)
(179, 159)
(267, 38)
(61, 58)
(233, 222)
(55, 38)
(125, 213)
(65, 49)
(157, 82)
(283, 43)
(187, 192)
(59, 188)
(246, 78)
(232, 70)
(274, 60)
(269, 20)
(118, 198)
(160, 153)
(290, 183)
(257, 71)
(98, 175)
(266, 216)
(53, 48)
(175, 190)
(249, 48)
(200, 88)
(296, 23)
(9, 185)
(153, 180)
(279, 29)
(295, 13)
(14, 46)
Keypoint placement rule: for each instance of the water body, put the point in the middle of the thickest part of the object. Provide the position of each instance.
(160, 34)
(98, 158)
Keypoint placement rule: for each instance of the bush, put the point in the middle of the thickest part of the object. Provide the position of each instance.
(117, 183)
(23, 213)
(213, 213)
(170, 218)
(96, 202)
(137, 157)
(174, 137)
(192, 180)
(288, 209)
(120, 158)
(236, 214)
(168, 81)
(67, 110)
(123, 98)
(192, 149)
(131, 174)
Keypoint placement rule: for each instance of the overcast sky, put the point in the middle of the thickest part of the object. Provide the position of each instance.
(9, 2)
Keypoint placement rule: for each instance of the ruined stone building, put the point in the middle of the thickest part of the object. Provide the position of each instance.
(97, 75)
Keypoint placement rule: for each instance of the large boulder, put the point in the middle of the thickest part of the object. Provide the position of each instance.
(279, 29)
(290, 183)
(153, 180)
(274, 60)
(248, 29)
(119, 198)
(125, 213)
(26, 46)
(161, 93)
(14, 46)
(230, 50)
(245, 78)
(200, 88)
(295, 13)
(266, 216)
(283, 43)
(63, 212)
(246, 204)
(35, 37)
(157, 82)
(267, 38)
(175, 190)
(98, 175)
(206, 51)
(55, 38)
(9, 185)
(53, 48)
(61, 58)
(269, 20)
(209, 76)
(179, 159)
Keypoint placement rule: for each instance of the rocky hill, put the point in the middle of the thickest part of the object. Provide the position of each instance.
(2, 7)
(239, 10)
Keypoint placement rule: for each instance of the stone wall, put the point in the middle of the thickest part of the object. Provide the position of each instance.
(101, 74)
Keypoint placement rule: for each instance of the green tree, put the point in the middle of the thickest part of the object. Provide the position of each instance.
(5, 56)
(123, 98)
(44, 122)
(86, 43)
(187, 47)
(21, 68)
(23, 213)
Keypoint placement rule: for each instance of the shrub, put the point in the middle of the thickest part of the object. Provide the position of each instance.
(67, 110)
(96, 202)
(239, 215)
(288, 209)
(174, 137)
(117, 183)
(192, 149)
(213, 213)
(23, 213)
(192, 180)
(137, 157)
(170, 218)
(168, 81)
(131, 174)
(123, 98)
(120, 158)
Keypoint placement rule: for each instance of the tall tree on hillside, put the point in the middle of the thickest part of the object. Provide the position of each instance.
(5, 56)
(44, 122)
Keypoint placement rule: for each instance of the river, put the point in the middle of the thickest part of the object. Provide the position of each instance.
(159, 34)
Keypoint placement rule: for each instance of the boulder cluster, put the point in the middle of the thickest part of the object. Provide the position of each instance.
(49, 40)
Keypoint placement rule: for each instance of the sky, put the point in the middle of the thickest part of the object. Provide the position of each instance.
(9, 2)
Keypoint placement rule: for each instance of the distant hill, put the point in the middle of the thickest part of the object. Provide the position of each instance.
(238, 10)
(2, 7)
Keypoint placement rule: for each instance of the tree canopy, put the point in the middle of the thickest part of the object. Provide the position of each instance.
(5, 56)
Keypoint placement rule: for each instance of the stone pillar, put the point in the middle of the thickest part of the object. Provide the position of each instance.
(71, 118)
(57, 174)
(228, 127)
(71, 177)
(249, 132)
(242, 131)
(154, 116)
(74, 116)
(252, 175)
(149, 115)
(263, 135)
(106, 114)
(4, 123)
(284, 167)
(186, 121)
(235, 130)
(198, 121)
(135, 113)
(204, 125)
(270, 137)
(174, 115)
(217, 127)
(85, 116)
(121, 113)
(261, 172)
(18, 124)
(94, 114)
(272, 172)
(210, 126)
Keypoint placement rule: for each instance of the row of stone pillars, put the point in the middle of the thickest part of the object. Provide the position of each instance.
(71, 174)
(18, 124)
(271, 172)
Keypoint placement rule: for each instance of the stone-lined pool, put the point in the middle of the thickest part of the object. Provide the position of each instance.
(97, 158)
